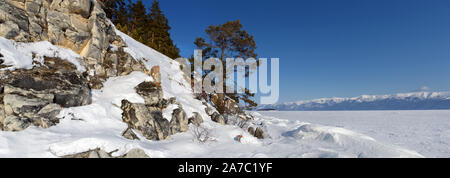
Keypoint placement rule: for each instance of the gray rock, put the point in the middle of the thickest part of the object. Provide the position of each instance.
(136, 153)
(216, 117)
(9, 30)
(33, 6)
(82, 7)
(2, 116)
(38, 95)
(99, 153)
(13, 123)
(259, 133)
(103, 154)
(147, 121)
(9, 15)
(231, 106)
(173, 100)
(196, 119)
(130, 135)
(151, 92)
(22, 106)
(46, 117)
(179, 122)
(251, 130)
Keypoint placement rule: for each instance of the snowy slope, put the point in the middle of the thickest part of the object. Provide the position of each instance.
(403, 101)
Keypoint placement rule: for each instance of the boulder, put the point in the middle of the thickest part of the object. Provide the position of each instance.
(173, 100)
(216, 117)
(96, 153)
(231, 107)
(179, 121)
(251, 131)
(196, 119)
(151, 92)
(135, 153)
(147, 121)
(259, 133)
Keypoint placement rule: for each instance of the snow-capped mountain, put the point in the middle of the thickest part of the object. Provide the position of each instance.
(402, 101)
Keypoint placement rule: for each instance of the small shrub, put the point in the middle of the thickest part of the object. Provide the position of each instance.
(201, 134)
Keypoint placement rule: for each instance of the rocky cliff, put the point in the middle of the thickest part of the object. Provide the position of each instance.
(65, 77)
(79, 25)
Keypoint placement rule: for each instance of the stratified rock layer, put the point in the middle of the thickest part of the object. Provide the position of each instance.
(35, 97)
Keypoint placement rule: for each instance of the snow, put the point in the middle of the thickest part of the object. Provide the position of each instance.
(427, 132)
(99, 125)
(20, 55)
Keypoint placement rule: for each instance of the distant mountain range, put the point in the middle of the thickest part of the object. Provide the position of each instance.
(402, 101)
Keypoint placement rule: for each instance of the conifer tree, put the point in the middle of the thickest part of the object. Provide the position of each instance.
(159, 36)
(151, 29)
(138, 22)
(229, 40)
(115, 9)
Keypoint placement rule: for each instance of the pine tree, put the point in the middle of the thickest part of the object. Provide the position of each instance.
(138, 22)
(229, 40)
(114, 9)
(159, 32)
(151, 29)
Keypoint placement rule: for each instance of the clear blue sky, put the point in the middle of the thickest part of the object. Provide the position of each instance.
(330, 48)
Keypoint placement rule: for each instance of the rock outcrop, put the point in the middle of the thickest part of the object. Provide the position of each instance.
(80, 25)
(35, 97)
(148, 121)
(196, 119)
(151, 92)
(179, 121)
(258, 133)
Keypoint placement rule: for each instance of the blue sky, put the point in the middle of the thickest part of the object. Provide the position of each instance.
(334, 48)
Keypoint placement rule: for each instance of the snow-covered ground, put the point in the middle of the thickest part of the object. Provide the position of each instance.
(99, 125)
(427, 132)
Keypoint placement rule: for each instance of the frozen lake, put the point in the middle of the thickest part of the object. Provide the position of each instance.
(426, 132)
